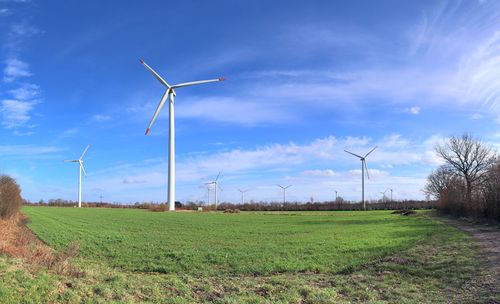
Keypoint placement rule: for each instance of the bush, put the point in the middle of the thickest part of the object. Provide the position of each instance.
(10, 197)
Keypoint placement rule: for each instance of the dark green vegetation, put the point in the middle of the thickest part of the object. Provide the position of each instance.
(311, 257)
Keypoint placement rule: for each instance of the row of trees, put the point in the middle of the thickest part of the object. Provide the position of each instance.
(468, 183)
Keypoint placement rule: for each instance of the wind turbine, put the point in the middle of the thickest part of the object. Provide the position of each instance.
(216, 185)
(383, 195)
(363, 166)
(170, 94)
(242, 193)
(284, 192)
(208, 194)
(391, 192)
(81, 168)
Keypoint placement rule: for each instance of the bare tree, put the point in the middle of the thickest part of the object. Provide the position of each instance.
(10, 196)
(439, 181)
(469, 157)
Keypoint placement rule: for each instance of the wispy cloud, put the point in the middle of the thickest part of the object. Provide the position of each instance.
(23, 151)
(14, 69)
(4, 12)
(320, 173)
(269, 164)
(26, 91)
(69, 133)
(100, 118)
(16, 113)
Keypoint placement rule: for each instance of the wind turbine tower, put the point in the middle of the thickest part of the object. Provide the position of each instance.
(363, 167)
(170, 94)
(81, 168)
(284, 192)
(242, 193)
(216, 185)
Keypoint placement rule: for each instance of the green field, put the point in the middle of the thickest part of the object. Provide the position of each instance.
(215, 243)
(329, 257)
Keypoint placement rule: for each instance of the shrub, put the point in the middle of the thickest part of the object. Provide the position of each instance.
(10, 197)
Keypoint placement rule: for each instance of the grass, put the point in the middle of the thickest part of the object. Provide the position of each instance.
(236, 244)
(300, 257)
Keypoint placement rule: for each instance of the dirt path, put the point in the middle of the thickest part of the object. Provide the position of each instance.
(488, 237)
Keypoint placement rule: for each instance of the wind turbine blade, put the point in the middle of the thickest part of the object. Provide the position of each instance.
(366, 168)
(353, 154)
(219, 187)
(371, 151)
(156, 75)
(71, 161)
(217, 178)
(85, 151)
(83, 168)
(186, 84)
(288, 186)
(158, 109)
(280, 186)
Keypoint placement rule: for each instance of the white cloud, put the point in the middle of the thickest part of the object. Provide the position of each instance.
(373, 173)
(14, 69)
(476, 116)
(100, 118)
(319, 173)
(26, 92)
(22, 151)
(23, 30)
(16, 113)
(69, 133)
(4, 12)
(264, 166)
(414, 110)
(232, 110)
(133, 180)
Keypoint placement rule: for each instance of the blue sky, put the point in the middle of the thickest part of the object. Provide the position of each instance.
(305, 81)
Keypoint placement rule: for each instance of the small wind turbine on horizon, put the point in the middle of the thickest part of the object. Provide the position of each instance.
(284, 192)
(363, 167)
(242, 193)
(390, 189)
(81, 168)
(170, 94)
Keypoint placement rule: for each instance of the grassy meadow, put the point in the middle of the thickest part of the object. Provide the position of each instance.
(289, 257)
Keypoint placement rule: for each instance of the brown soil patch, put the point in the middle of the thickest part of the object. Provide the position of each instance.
(488, 237)
(18, 241)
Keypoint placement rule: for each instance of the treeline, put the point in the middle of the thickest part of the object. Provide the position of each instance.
(330, 206)
(253, 206)
(468, 183)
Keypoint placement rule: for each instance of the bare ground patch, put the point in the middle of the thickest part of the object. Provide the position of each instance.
(488, 237)
(18, 241)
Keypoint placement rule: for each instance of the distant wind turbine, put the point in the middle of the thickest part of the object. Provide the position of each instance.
(284, 192)
(216, 185)
(170, 94)
(391, 192)
(81, 168)
(242, 193)
(363, 167)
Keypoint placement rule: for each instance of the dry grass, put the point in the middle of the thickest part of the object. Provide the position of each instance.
(18, 241)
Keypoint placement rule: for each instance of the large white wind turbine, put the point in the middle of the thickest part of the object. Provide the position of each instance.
(284, 192)
(170, 94)
(81, 168)
(363, 167)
